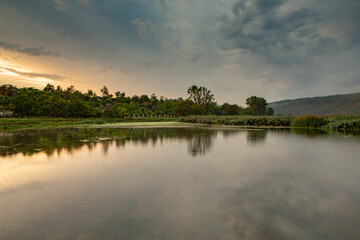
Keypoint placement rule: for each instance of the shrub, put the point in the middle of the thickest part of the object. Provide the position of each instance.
(344, 124)
(283, 121)
(310, 121)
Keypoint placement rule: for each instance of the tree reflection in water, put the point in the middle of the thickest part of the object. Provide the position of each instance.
(70, 140)
(267, 194)
(256, 136)
(202, 142)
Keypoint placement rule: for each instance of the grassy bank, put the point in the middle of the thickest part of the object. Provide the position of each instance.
(273, 121)
(351, 123)
(8, 124)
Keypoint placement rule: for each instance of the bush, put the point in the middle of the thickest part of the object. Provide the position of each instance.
(94, 121)
(310, 121)
(344, 124)
(283, 121)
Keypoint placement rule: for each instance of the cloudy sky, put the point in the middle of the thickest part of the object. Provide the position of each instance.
(277, 49)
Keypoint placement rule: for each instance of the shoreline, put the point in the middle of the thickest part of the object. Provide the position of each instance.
(170, 124)
(18, 124)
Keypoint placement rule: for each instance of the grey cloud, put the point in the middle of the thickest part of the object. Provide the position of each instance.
(32, 51)
(196, 57)
(35, 74)
(342, 19)
(60, 5)
(85, 2)
(276, 49)
(255, 211)
(264, 28)
(104, 68)
(143, 27)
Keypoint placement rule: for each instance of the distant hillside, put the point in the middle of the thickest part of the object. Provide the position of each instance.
(346, 104)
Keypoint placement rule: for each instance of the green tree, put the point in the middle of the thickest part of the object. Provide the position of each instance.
(8, 90)
(105, 93)
(121, 111)
(201, 96)
(144, 98)
(119, 94)
(231, 109)
(49, 88)
(257, 105)
(25, 102)
(184, 107)
(90, 93)
(269, 111)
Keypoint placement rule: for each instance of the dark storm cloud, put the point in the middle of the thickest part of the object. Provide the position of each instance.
(107, 22)
(268, 29)
(35, 74)
(32, 51)
(272, 48)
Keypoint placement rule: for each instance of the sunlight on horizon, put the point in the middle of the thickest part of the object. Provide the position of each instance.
(15, 72)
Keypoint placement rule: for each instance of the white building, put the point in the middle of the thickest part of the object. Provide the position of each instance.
(6, 113)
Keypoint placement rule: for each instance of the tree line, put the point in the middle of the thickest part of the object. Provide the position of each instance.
(70, 102)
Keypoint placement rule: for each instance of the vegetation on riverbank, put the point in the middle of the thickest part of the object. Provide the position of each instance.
(72, 108)
(71, 103)
(8, 124)
(350, 123)
(310, 121)
(275, 121)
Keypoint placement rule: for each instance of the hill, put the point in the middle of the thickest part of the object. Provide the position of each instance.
(345, 104)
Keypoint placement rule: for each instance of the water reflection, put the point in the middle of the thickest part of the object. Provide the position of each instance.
(199, 140)
(286, 206)
(310, 133)
(318, 133)
(202, 142)
(145, 184)
(256, 136)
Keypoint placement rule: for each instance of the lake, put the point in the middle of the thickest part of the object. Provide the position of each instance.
(179, 183)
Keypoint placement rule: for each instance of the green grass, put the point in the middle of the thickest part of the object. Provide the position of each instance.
(274, 121)
(344, 124)
(9, 124)
(310, 121)
(350, 123)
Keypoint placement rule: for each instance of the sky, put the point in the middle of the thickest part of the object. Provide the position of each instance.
(276, 49)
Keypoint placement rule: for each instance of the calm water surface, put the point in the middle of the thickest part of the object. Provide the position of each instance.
(179, 183)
